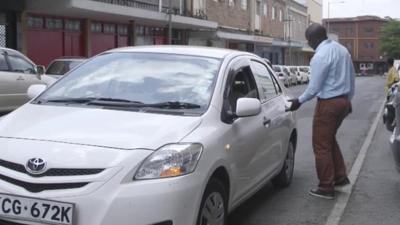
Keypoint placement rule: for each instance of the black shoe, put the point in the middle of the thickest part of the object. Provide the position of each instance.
(322, 194)
(342, 183)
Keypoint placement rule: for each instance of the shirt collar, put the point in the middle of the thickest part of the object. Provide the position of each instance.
(325, 42)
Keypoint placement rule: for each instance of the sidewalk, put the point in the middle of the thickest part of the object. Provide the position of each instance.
(376, 195)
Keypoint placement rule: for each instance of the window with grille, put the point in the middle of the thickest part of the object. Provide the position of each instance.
(2, 35)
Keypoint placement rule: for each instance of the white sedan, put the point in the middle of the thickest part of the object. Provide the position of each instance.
(147, 135)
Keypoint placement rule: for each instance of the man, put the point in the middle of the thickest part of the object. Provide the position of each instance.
(332, 81)
(393, 76)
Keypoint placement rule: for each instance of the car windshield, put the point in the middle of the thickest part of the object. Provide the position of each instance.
(277, 69)
(139, 80)
(293, 69)
(61, 67)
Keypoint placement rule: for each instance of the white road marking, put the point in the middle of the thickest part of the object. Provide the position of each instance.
(345, 192)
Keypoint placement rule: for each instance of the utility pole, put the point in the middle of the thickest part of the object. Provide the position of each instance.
(289, 20)
(170, 22)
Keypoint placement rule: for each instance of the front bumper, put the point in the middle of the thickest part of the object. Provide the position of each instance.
(172, 201)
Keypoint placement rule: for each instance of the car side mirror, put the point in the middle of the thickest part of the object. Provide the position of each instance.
(248, 107)
(35, 90)
(40, 70)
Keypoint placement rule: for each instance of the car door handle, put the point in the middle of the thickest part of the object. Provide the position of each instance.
(20, 78)
(266, 122)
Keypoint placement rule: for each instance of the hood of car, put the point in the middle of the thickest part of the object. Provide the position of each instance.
(96, 127)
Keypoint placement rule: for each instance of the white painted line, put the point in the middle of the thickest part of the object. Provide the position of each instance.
(345, 192)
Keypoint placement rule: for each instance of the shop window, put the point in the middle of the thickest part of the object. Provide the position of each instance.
(35, 22)
(52, 23)
(139, 30)
(123, 30)
(109, 28)
(74, 25)
(96, 27)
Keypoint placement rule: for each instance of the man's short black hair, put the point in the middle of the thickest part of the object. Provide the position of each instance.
(390, 61)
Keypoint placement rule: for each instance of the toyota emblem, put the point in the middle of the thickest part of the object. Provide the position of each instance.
(36, 166)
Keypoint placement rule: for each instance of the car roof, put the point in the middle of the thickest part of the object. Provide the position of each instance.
(183, 50)
(69, 59)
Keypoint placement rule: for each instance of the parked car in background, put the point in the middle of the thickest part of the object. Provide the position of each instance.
(59, 67)
(292, 75)
(395, 138)
(17, 73)
(282, 74)
(306, 71)
(99, 141)
(300, 75)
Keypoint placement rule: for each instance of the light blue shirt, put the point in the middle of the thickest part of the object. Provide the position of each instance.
(332, 72)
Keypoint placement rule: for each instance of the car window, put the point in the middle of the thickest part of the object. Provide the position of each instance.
(20, 65)
(276, 83)
(242, 86)
(264, 79)
(61, 67)
(3, 63)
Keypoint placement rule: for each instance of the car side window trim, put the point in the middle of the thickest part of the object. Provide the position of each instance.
(7, 63)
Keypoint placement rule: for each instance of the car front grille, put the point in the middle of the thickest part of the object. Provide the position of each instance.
(39, 187)
(51, 172)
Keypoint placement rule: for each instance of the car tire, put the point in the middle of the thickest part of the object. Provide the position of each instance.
(216, 199)
(284, 178)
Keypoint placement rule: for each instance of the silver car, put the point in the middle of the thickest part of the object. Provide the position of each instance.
(17, 73)
(154, 135)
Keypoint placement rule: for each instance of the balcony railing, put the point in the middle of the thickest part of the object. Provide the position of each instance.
(178, 6)
(153, 5)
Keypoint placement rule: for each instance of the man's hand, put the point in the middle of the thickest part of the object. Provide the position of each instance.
(295, 104)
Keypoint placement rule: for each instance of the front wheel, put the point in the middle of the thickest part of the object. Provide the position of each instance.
(284, 178)
(213, 208)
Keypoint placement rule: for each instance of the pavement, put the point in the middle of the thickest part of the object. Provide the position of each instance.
(374, 195)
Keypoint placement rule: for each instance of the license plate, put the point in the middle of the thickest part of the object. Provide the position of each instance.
(37, 210)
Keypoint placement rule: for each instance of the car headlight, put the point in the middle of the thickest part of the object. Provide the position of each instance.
(170, 161)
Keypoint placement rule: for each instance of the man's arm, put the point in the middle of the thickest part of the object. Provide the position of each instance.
(319, 73)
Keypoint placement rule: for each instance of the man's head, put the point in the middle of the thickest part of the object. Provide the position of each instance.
(315, 34)
(390, 62)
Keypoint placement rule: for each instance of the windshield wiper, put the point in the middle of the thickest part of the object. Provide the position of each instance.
(174, 105)
(92, 100)
(68, 100)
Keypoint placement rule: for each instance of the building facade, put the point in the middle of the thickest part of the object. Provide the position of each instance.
(314, 11)
(298, 52)
(361, 36)
(48, 29)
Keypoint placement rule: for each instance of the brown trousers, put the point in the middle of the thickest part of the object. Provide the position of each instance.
(329, 114)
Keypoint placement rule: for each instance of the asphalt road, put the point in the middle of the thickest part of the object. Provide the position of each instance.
(375, 195)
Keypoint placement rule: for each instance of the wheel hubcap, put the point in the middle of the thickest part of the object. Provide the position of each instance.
(213, 211)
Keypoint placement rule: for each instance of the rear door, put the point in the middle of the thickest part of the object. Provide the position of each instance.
(26, 75)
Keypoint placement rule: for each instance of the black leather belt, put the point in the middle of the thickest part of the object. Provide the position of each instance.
(339, 96)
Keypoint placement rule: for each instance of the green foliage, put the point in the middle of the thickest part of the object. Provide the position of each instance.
(390, 39)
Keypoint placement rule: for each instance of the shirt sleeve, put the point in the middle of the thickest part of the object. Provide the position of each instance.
(319, 73)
